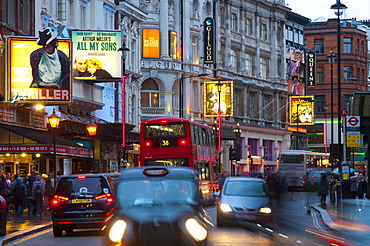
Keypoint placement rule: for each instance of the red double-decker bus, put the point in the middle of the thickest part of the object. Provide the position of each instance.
(171, 141)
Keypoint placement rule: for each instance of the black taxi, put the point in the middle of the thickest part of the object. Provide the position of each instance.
(157, 205)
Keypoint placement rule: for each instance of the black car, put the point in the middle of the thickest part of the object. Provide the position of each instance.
(157, 206)
(82, 201)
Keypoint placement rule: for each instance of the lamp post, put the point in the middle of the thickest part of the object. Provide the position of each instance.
(124, 50)
(297, 143)
(238, 133)
(219, 89)
(54, 121)
(338, 9)
(331, 58)
(181, 93)
(91, 128)
(325, 107)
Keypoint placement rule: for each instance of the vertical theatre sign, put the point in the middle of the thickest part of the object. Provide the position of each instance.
(25, 71)
(311, 76)
(212, 95)
(209, 41)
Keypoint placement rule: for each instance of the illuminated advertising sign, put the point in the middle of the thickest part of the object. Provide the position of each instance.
(209, 41)
(36, 77)
(173, 45)
(95, 54)
(211, 96)
(311, 75)
(295, 70)
(151, 43)
(302, 110)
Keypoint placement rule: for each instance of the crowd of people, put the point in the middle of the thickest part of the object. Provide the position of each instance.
(31, 193)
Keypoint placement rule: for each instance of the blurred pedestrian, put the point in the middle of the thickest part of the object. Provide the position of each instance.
(361, 186)
(323, 190)
(19, 193)
(38, 191)
(29, 183)
(5, 191)
(50, 187)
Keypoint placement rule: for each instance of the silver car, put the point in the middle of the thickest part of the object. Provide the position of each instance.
(244, 198)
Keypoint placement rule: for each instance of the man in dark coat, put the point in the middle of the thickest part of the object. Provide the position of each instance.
(323, 190)
(361, 186)
(50, 66)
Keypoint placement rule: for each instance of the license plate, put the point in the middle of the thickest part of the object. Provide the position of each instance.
(312, 181)
(81, 200)
(245, 217)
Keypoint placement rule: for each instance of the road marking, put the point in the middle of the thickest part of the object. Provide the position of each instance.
(26, 238)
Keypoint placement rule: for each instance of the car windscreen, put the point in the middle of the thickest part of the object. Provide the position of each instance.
(154, 192)
(82, 187)
(245, 188)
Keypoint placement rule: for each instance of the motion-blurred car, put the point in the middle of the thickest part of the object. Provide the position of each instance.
(157, 206)
(312, 180)
(244, 199)
(82, 201)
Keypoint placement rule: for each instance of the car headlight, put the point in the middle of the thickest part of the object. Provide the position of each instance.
(117, 231)
(225, 207)
(197, 231)
(265, 210)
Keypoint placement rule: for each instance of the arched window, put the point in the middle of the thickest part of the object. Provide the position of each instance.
(149, 94)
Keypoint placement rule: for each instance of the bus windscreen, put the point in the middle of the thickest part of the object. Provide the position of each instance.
(159, 130)
(167, 162)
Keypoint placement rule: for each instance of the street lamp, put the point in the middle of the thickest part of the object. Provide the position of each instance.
(331, 58)
(338, 10)
(238, 133)
(219, 89)
(54, 121)
(124, 50)
(181, 93)
(91, 128)
(325, 107)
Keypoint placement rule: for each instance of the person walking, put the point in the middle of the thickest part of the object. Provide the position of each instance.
(361, 186)
(19, 194)
(50, 187)
(323, 190)
(5, 191)
(38, 190)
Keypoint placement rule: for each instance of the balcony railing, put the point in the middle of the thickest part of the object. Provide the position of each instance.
(10, 114)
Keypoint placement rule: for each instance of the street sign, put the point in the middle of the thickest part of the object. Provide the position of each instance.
(353, 139)
(353, 121)
(343, 112)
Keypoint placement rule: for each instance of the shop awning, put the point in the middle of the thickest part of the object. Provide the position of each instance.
(38, 141)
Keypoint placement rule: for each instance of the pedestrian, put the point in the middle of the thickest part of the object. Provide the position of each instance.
(38, 191)
(50, 187)
(19, 193)
(5, 191)
(353, 184)
(361, 186)
(323, 190)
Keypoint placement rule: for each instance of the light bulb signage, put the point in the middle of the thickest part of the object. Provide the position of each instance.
(211, 98)
(311, 75)
(302, 110)
(209, 41)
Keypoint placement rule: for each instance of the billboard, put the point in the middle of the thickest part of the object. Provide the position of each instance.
(151, 43)
(302, 110)
(211, 95)
(95, 54)
(295, 73)
(29, 70)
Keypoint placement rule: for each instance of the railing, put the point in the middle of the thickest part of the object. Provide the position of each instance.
(152, 111)
(22, 117)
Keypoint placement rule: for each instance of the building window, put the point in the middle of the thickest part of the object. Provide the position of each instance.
(296, 36)
(133, 55)
(300, 37)
(268, 150)
(348, 73)
(238, 103)
(319, 46)
(263, 68)
(252, 104)
(234, 61)
(319, 75)
(248, 26)
(253, 146)
(320, 103)
(266, 107)
(249, 64)
(195, 49)
(222, 17)
(149, 94)
(234, 21)
(347, 45)
(263, 32)
(289, 33)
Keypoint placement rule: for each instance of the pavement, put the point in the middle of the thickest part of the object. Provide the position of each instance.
(346, 216)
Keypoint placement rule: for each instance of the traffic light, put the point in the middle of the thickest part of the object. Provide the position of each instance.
(238, 152)
(232, 153)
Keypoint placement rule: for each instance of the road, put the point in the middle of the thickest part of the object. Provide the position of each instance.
(294, 226)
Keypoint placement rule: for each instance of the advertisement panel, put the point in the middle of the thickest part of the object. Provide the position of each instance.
(95, 54)
(211, 95)
(36, 77)
(302, 110)
(151, 40)
(173, 45)
(295, 73)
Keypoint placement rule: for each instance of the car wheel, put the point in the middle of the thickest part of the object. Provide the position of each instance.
(69, 230)
(57, 232)
(219, 222)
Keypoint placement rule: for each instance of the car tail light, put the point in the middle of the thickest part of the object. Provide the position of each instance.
(107, 197)
(148, 144)
(182, 142)
(58, 199)
(81, 177)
